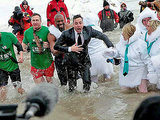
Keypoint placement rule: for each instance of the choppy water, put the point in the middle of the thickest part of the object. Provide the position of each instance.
(107, 102)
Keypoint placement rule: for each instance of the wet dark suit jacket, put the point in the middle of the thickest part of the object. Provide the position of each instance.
(67, 39)
(79, 60)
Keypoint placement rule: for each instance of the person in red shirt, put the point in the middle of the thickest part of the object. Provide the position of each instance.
(54, 7)
(19, 23)
(108, 17)
(25, 8)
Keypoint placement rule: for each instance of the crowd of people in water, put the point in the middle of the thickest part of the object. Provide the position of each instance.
(81, 49)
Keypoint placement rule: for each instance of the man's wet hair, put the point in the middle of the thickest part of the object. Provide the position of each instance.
(149, 109)
(77, 16)
(36, 14)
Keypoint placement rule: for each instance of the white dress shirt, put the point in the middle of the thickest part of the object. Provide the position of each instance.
(76, 39)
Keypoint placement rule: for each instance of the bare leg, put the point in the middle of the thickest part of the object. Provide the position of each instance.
(143, 86)
(124, 88)
(49, 79)
(3, 92)
(18, 85)
(107, 76)
(20, 90)
(39, 80)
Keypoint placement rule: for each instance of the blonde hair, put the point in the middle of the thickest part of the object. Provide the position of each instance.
(128, 30)
(154, 24)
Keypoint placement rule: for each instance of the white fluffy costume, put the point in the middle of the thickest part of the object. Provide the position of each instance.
(140, 65)
(140, 28)
(95, 49)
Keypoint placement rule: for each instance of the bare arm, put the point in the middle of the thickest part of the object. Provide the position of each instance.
(52, 40)
(24, 46)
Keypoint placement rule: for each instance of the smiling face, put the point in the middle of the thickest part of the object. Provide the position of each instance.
(145, 21)
(149, 28)
(36, 22)
(106, 7)
(59, 22)
(78, 25)
(25, 6)
(123, 7)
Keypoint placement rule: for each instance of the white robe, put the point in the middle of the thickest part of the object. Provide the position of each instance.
(155, 51)
(95, 49)
(140, 28)
(140, 65)
(54, 31)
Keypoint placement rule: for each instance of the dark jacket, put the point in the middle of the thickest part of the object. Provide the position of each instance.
(68, 39)
(125, 16)
(108, 19)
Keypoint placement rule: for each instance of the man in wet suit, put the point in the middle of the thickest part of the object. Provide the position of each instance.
(74, 42)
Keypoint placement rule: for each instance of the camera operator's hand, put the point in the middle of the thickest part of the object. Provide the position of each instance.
(25, 14)
(76, 48)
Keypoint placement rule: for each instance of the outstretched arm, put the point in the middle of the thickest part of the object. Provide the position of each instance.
(100, 35)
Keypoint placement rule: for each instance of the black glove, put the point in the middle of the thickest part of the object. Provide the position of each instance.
(114, 61)
(117, 61)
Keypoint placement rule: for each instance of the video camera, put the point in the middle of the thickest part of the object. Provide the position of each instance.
(17, 13)
(39, 103)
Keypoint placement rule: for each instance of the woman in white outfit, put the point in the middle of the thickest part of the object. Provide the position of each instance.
(152, 38)
(143, 18)
(134, 59)
(95, 49)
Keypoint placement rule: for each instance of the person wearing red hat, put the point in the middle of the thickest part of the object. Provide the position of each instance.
(125, 16)
(108, 17)
(54, 7)
(26, 8)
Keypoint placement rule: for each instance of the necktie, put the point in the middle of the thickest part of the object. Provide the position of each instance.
(149, 46)
(79, 39)
(37, 40)
(126, 64)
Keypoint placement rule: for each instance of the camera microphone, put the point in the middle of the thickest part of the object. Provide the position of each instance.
(41, 100)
